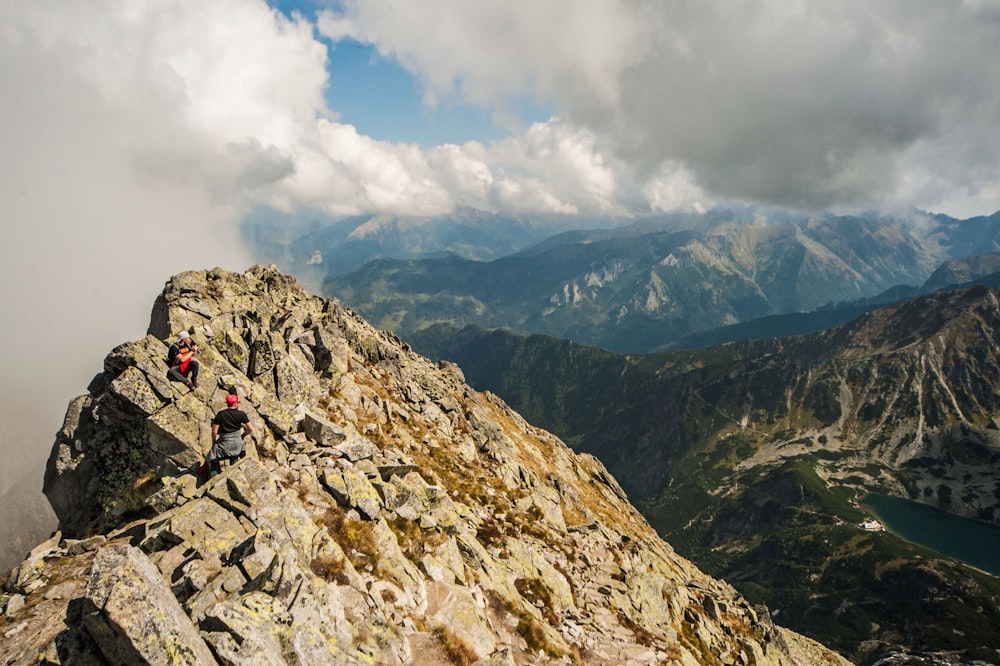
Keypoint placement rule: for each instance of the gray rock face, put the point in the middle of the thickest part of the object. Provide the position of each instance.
(122, 582)
(385, 513)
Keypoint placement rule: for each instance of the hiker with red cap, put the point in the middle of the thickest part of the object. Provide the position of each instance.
(229, 427)
(180, 358)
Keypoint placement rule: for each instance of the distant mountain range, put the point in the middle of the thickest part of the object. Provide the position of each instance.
(315, 247)
(645, 286)
(953, 274)
(751, 458)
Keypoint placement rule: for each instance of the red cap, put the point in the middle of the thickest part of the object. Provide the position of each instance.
(232, 399)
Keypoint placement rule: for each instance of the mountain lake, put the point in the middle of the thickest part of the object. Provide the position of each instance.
(969, 541)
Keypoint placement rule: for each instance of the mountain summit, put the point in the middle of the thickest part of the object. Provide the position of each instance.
(386, 513)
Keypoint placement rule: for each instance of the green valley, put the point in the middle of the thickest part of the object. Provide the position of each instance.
(751, 458)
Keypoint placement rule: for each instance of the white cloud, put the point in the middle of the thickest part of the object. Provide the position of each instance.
(672, 188)
(485, 51)
(559, 167)
(133, 136)
(790, 102)
(135, 133)
(464, 171)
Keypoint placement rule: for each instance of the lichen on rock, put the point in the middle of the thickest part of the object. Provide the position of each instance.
(385, 513)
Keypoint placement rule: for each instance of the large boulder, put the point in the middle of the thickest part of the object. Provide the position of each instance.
(134, 618)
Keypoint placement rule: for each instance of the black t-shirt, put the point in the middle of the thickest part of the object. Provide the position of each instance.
(175, 349)
(230, 420)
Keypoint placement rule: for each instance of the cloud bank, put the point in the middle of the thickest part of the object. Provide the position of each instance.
(129, 150)
(137, 134)
(788, 102)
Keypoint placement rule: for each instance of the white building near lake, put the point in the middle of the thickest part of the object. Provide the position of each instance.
(872, 526)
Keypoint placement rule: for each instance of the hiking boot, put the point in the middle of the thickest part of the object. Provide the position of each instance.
(189, 385)
(194, 383)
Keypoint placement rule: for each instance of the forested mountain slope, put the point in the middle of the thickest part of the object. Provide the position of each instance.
(751, 457)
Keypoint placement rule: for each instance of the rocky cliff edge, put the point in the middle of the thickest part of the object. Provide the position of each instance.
(386, 513)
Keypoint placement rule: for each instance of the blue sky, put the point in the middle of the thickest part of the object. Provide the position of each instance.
(383, 100)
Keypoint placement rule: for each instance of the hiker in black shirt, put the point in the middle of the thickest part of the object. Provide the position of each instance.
(229, 427)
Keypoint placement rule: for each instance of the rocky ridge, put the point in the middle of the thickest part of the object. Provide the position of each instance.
(386, 513)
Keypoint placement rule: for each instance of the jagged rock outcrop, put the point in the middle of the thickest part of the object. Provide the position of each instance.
(386, 513)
